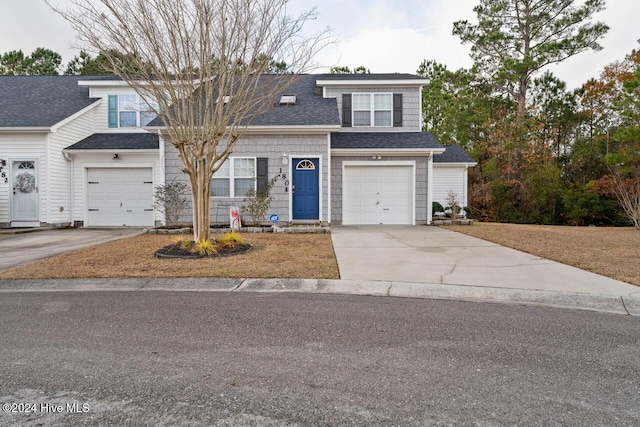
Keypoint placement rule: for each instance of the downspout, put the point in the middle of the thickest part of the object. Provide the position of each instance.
(430, 188)
(72, 212)
(329, 178)
(162, 179)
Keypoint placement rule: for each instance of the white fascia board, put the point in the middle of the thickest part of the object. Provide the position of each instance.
(292, 129)
(385, 151)
(391, 82)
(25, 129)
(72, 117)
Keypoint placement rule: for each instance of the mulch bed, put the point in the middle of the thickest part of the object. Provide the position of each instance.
(177, 251)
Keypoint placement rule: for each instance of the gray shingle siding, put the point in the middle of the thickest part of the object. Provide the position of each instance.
(271, 147)
(411, 120)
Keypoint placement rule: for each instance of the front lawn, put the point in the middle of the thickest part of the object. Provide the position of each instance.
(273, 256)
(609, 251)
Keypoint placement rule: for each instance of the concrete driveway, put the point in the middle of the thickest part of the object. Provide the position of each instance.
(18, 249)
(437, 256)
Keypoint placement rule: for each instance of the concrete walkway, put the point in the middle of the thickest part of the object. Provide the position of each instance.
(437, 256)
(22, 248)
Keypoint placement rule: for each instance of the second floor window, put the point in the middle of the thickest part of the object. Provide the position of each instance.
(372, 109)
(129, 111)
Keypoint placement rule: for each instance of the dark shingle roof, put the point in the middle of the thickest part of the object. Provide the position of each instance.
(118, 141)
(310, 108)
(453, 154)
(381, 76)
(383, 140)
(42, 101)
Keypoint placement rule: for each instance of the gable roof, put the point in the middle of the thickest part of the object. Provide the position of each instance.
(42, 101)
(118, 141)
(453, 154)
(384, 140)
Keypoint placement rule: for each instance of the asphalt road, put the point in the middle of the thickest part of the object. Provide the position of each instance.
(205, 358)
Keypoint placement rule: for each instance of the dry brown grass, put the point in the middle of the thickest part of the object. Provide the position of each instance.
(611, 252)
(273, 256)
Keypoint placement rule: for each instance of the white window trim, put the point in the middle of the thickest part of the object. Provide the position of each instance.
(232, 177)
(372, 110)
(139, 102)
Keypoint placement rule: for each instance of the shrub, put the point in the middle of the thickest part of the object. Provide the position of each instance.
(171, 200)
(232, 237)
(257, 203)
(205, 247)
(437, 207)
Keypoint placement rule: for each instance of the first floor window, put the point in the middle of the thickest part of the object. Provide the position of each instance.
(234, 178)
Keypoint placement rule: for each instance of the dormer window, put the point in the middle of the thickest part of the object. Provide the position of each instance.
(288, 100)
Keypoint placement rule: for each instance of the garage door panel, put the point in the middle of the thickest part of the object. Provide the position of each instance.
(378, 194)
(120, 197)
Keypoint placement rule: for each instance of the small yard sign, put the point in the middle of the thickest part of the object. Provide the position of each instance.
(274, 218)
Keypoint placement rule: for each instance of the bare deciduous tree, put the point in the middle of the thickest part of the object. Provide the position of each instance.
(203, 63)
(627, 191)
(454, 203)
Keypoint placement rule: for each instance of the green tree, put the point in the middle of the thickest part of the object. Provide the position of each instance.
(41, 62)
(13, 63)
(44, 62)
(338, 69)
(515, 39)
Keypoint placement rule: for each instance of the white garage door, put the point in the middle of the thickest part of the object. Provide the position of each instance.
(378, 194)
(120, 197)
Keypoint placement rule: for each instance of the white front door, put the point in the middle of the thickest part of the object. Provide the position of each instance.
(24, 200)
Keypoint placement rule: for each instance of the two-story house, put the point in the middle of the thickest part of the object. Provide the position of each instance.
(86, 151)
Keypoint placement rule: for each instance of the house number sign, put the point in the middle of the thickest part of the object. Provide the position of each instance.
(3, 175)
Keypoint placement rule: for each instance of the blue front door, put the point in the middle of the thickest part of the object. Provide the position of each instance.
(306, 188)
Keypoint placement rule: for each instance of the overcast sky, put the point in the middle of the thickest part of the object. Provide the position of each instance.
(383, 35)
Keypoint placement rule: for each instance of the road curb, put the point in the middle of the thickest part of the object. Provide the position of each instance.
(626, 305)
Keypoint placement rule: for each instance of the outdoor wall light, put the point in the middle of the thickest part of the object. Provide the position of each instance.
(285, 159)
(116, 157)
(3, 162)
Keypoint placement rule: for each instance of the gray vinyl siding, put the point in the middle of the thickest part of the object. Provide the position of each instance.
(336, 185)
(271, 147)
(410, 106)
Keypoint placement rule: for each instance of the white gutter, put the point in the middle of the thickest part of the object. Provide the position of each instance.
(274, 129)
(109, 150)
(386, 151)
(25, 129)
(364, 82)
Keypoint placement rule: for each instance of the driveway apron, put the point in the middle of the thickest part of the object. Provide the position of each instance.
(18, 249)
(433, 255)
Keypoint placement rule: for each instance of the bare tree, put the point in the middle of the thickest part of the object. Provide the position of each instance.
(203, 63)
(454, 203)
(627, 191)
